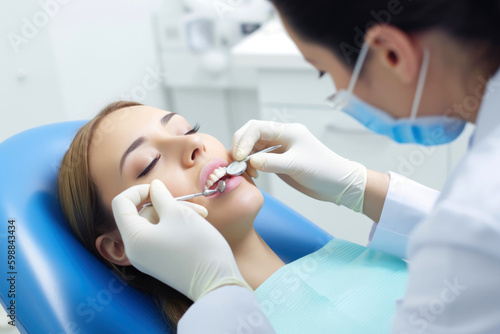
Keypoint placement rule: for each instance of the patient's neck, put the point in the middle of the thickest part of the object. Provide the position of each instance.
(255, 259)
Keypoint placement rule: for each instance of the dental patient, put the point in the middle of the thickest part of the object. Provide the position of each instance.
(342, 288)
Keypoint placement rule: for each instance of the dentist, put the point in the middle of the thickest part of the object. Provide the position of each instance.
(415, 71)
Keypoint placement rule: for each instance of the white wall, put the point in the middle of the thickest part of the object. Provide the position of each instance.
(84, 55)
(29, 90)
(76, 58)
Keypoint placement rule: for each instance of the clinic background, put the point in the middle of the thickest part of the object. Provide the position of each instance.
(219, 63)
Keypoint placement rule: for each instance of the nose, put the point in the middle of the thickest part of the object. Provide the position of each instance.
(186, 149)
(193, 150)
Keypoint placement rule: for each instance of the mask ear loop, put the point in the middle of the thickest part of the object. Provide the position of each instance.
(358, 67)
(333, 100)
(420, 85)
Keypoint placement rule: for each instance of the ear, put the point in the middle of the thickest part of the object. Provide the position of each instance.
(110, 246)
(395, 50)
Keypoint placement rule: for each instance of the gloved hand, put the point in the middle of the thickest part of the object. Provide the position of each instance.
(182, 250)
(305, 163)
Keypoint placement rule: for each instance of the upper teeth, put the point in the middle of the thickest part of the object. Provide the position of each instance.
(216, 175)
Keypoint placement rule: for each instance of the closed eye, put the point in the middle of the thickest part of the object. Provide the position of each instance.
(150, 166)
(194, 130)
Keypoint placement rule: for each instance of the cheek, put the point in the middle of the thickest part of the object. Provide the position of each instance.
(339, 75)
(213, 146)
(177, 183)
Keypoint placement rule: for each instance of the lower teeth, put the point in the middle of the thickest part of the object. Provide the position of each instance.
(224, 178)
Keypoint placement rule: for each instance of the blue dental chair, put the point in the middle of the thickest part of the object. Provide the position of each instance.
(57, 286)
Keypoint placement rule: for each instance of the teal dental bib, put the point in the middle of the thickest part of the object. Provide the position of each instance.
(341, 288)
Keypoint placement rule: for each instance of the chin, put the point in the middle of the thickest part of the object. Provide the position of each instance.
(238, 209)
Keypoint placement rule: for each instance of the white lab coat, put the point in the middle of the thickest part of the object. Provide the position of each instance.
(453, 250)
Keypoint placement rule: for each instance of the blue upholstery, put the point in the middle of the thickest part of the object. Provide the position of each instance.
(60, 287)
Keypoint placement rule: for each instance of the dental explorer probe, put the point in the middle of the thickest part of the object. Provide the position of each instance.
(220, 188)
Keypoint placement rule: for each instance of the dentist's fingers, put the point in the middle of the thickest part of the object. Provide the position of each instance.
(201, 210)
(162, 200)
(150, 214)
(237, 137)
(271, 162)
(128, 200)
(166, 205)
(254, 131)
(124, 207)
(252, 171)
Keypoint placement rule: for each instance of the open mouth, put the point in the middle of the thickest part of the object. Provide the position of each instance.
(215, 171)
(215, 177)
(212, 173)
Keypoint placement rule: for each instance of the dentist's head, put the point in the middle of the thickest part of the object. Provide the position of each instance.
(424, 60)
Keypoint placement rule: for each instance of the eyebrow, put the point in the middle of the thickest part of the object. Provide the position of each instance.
(141, 140)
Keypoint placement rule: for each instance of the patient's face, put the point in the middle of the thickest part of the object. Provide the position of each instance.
(171, 152)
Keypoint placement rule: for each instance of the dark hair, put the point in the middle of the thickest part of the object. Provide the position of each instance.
(341, 25)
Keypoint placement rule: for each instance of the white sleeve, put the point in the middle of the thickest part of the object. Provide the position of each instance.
(407, 203)
(228, 309)
(454, 254)
(453, 284)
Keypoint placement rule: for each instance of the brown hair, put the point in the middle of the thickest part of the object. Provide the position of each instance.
(89, 218)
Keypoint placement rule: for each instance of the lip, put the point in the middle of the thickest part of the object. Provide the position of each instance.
(209, 168)
(231, 184)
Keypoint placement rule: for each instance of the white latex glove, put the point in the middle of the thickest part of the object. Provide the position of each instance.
(182, 250)
(305, 163)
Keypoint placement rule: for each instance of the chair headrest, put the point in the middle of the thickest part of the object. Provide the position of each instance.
(59, 285)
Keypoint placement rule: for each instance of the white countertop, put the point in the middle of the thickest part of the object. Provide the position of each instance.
(268, 47)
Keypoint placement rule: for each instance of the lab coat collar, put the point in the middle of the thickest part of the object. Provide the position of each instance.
(489, 112)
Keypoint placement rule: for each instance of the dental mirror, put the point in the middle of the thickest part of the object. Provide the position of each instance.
(239, 167)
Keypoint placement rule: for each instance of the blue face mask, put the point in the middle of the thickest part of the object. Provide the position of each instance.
(428, 130)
